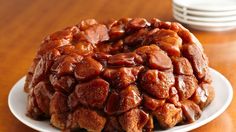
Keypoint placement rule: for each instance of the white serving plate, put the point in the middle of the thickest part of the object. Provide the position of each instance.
(207, 26)
(207, 5)
(203, 13)
(17, 101)
(205, 19)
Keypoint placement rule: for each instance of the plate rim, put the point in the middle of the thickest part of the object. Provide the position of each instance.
(180, 3)
(203, 13)
(218, 113)
(18, 116)
(205, 27)
(205, 19)
(191, 127)
(204, 24)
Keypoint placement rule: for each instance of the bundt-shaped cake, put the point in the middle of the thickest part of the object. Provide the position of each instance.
(122, 75)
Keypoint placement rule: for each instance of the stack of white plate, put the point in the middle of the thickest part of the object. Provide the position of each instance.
(208, 15)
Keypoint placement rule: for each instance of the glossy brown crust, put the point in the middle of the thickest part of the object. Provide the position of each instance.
(120, 75)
